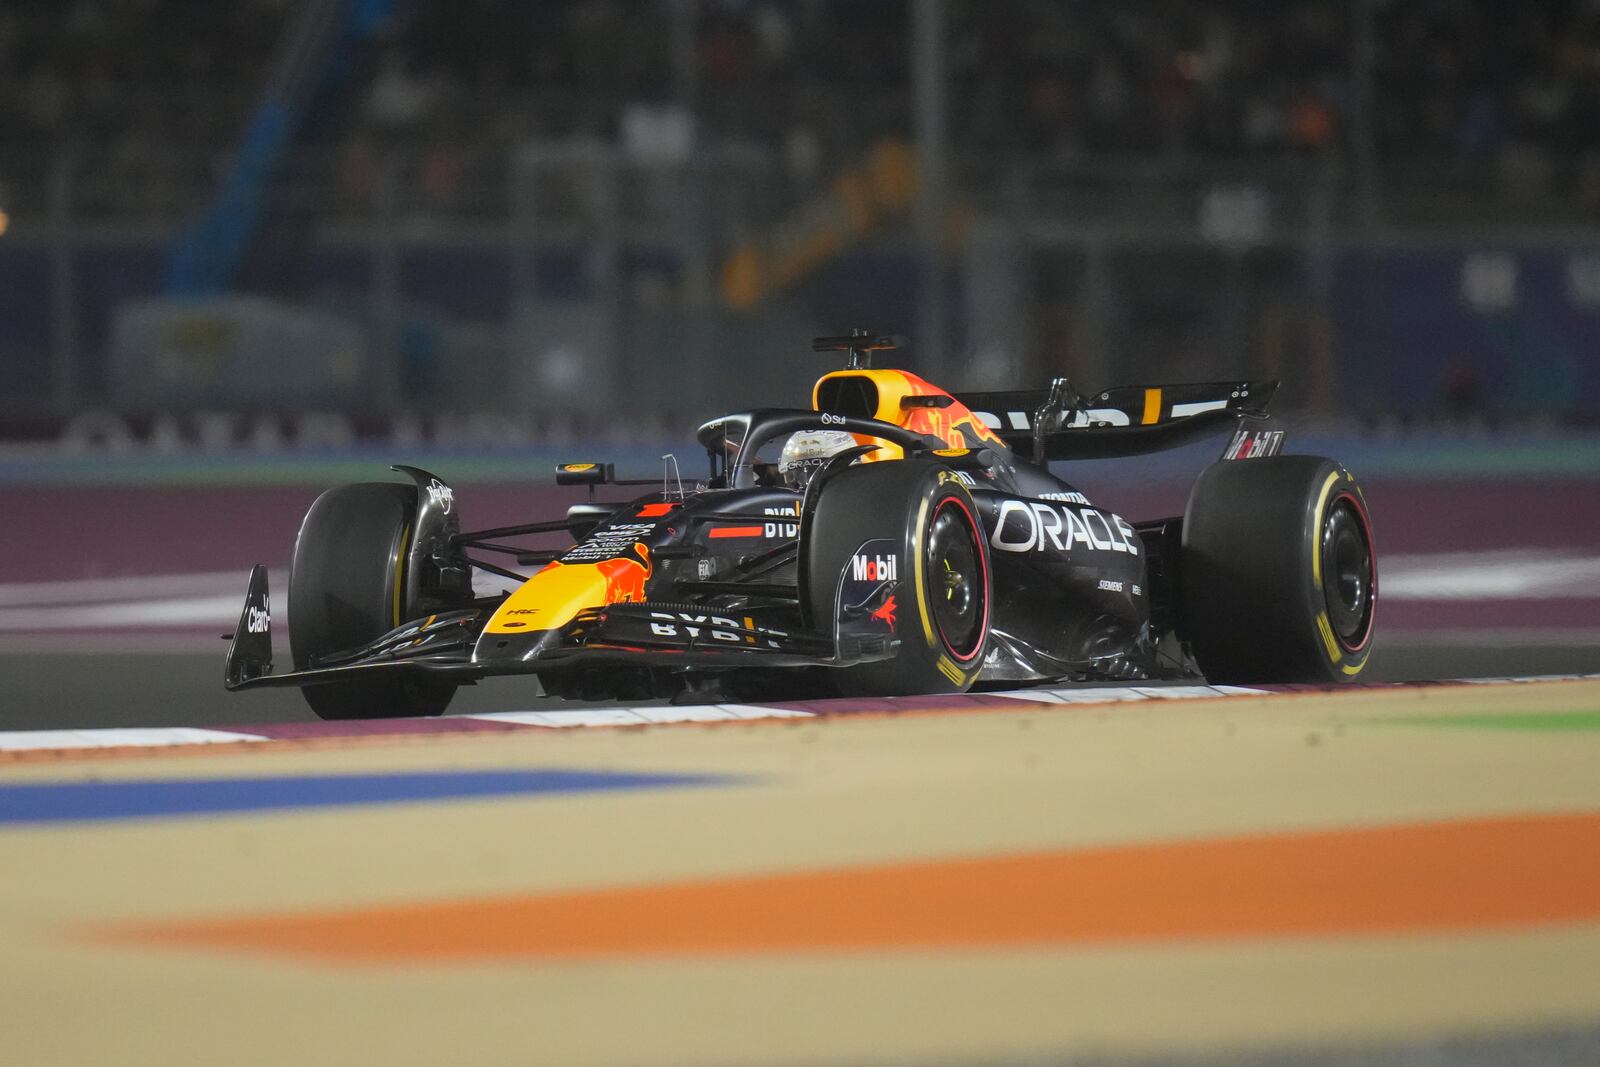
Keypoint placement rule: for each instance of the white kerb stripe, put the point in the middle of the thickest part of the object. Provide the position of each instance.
(638, 716)
(152, 737)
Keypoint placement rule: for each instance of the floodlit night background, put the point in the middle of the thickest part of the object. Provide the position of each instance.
(255, 249)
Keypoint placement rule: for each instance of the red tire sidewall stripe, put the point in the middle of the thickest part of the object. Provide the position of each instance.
(976, 533)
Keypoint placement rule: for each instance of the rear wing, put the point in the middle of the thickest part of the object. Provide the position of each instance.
(1057, 423)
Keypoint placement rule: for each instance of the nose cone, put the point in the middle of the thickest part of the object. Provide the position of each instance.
(514, 645)
(531, 620)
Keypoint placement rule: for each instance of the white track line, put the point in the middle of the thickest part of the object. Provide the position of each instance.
(1500, 575)
(220, 611)
(103, 590)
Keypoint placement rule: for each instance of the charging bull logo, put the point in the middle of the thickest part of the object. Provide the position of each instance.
(885, 613)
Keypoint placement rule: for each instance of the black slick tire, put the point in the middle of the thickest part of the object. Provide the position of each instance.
(346, 588)
(1280, 580)
(944, 588)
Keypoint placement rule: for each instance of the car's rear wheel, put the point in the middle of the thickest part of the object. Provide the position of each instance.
(1280, 579)
(938, 601)
(347, 588)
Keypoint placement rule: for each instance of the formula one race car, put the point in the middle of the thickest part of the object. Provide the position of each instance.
(892, 539)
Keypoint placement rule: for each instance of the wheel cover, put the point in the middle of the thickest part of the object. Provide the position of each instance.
(1348, 578)
(958, 587)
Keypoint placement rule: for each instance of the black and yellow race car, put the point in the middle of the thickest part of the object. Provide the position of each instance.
(893, 538)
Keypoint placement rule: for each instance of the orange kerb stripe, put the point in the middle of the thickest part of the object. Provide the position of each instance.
(1477, 874)
(735, 531)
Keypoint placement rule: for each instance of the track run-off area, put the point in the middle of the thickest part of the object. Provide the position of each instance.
(1191, 874)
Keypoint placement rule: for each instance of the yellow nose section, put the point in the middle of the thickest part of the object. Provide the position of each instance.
(551, 598)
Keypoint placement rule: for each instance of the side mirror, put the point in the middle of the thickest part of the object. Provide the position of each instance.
(583, 473)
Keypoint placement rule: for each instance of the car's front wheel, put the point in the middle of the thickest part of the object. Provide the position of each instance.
(346, 588)
(916, 521)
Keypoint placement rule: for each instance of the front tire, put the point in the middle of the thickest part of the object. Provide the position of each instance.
(347, 588)
(944, 588)
(1280, 579)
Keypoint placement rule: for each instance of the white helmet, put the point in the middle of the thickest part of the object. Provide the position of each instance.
(805, 453)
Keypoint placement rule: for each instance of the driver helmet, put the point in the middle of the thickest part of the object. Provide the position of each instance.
(805, 453)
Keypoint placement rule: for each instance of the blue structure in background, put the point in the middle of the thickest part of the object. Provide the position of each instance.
(316, 57)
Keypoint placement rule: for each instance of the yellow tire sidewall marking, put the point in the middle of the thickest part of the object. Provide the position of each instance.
(400, 570)
(917, 572)
(1324, 627)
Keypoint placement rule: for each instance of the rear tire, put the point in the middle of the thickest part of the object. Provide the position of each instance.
(1280, 580)
(944, 589)
(346, 588)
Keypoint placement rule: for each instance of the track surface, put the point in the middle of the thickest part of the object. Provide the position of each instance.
(1283, 877)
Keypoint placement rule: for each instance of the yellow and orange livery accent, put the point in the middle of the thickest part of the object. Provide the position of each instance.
(553, 597)
(954, 424)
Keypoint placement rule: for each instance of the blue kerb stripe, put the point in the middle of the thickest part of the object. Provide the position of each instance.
(84, 801)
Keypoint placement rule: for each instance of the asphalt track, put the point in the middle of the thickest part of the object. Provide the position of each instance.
(96, 689)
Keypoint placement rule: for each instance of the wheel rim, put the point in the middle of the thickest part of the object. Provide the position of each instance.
(1347, 572)
(957, 580)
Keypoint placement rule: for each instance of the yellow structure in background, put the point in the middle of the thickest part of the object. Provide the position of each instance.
(860, 199)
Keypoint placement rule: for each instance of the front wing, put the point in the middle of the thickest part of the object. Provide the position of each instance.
(684, 636)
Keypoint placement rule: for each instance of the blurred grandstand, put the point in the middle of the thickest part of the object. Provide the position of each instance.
(556, 214)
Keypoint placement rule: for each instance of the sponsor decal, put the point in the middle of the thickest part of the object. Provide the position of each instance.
(782, 529)
(1137, 591)
(258, 620)
(1015, 420)
(1254, 444)
(577, 468)
(829, 419)
(1070, 498)
(959, 477)
(523, 611)
(869, 568)
(1030, 526)
(655, 511)
(440, 495)
(715, 627)
(867, 588)
(1100, 417)
(704, 568)
(951, 453)
(1110, 586)
(609, 542)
